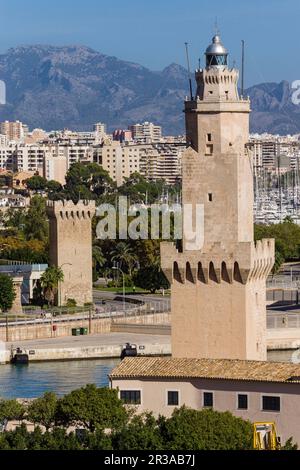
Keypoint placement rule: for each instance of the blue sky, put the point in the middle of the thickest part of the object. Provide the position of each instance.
(153, 32)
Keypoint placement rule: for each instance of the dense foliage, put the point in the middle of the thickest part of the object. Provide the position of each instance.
(287, 238)
(102, 422)
(7, 293)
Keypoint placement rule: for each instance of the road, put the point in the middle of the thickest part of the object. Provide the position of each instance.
(160, 303)
(92, 340)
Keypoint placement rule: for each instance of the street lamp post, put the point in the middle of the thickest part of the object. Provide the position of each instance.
(116, 268)
(60, 267)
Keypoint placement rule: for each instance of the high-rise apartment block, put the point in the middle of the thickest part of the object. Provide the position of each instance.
(146, 132)
(14, 130)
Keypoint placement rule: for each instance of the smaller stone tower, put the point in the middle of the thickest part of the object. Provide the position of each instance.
(71, 248)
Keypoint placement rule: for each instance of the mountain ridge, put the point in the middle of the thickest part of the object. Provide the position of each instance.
(74, 86)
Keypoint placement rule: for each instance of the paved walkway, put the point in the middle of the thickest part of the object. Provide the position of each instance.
(107, 339)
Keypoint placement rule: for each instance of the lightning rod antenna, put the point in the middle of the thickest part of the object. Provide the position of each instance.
(189, 69)
(243, 66)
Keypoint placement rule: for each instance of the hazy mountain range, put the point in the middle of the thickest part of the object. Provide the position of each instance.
(75, 86)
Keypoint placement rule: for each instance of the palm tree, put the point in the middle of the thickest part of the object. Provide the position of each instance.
(98, 257)
(49, 282)
(124, 255)
(107, 274)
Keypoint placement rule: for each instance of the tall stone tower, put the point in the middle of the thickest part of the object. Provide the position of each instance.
(71, 248)
(219, 291)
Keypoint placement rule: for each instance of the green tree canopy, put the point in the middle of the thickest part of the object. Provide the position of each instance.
(15, 218)
(36, 183)
(142, 432)
(43, 410)
(93, 408)
(287, 238)
(87, 181)
(189, 429)
(11, 410)
(54, 186)
(151, 278)
(36, 221)
(7, 292)
(139, 189)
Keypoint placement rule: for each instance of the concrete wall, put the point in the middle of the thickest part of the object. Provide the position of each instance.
(98, 326)
(42, 331)
(225, 399)
(283, 338)
(141, 329)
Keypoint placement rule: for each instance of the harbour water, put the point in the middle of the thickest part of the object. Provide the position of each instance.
(62, 377)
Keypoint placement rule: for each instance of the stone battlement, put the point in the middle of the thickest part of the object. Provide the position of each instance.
(69, 210)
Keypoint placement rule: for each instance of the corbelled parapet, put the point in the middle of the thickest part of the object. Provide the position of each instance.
(241, 263)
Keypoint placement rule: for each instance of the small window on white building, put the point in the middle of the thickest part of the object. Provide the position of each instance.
(131, 397)
(242, 401)
(208, 399)
(270, 403)
(173, 398)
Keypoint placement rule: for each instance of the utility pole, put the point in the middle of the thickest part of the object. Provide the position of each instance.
(189, 69)
(7, 339)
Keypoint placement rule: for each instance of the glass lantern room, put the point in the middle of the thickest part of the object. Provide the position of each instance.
(216, 53)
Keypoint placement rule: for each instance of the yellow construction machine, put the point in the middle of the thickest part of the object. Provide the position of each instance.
(265, 436)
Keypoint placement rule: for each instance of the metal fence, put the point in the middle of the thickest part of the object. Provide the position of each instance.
(64, 315)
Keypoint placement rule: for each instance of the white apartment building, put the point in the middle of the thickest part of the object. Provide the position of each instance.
(53, 156)
(154, 161)
(29, 157)
(100, 132)
(120, 161)
(146, 132)
(14, 130)
(168, 162)
(3, 140)
(7, 157)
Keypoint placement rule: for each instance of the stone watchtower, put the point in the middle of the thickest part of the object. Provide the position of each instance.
(219, 291)
(71, 248)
